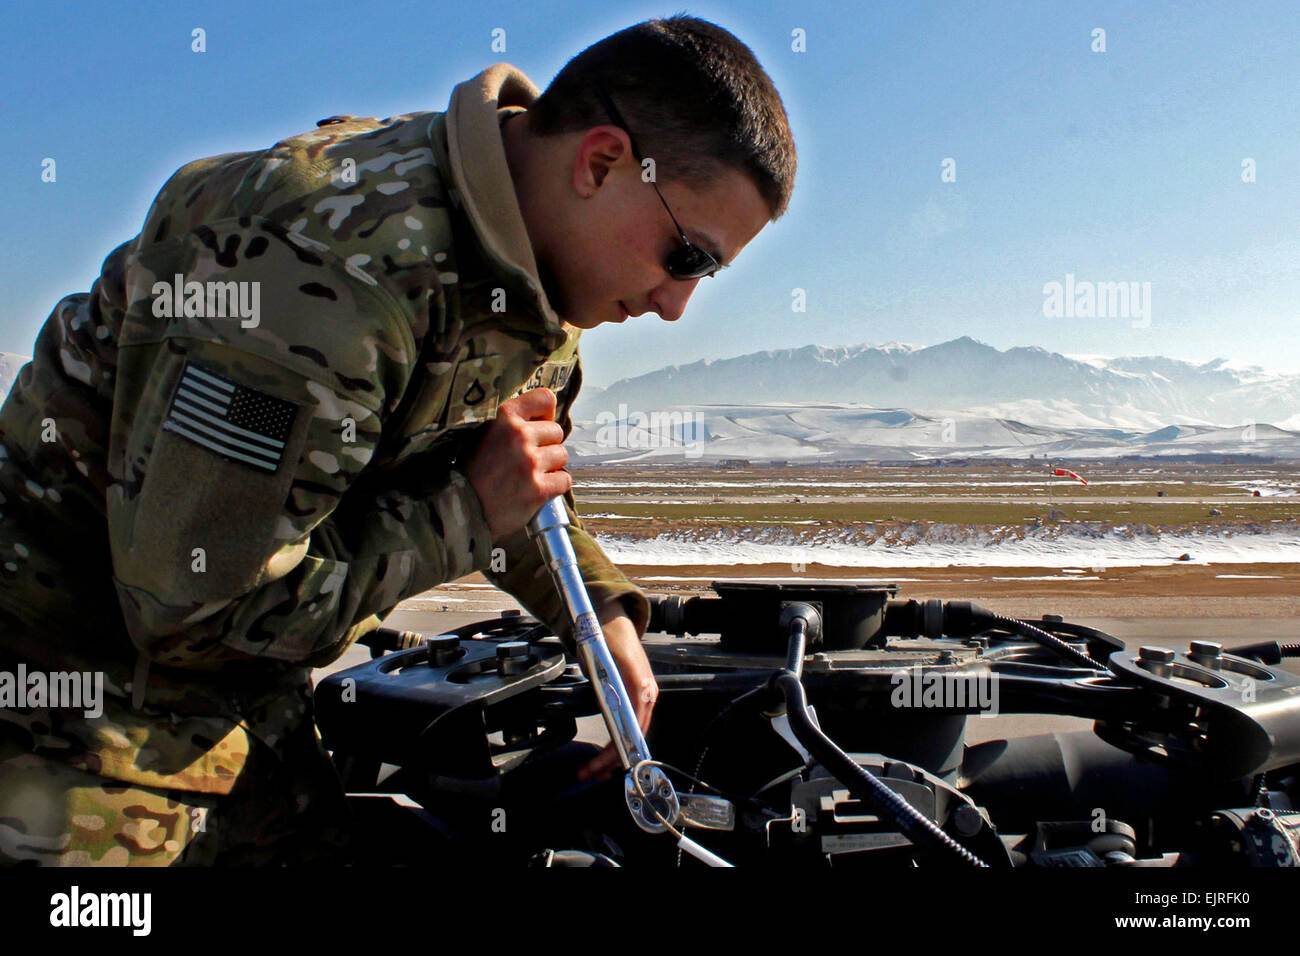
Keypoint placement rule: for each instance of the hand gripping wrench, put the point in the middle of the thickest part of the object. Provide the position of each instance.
(659, 807)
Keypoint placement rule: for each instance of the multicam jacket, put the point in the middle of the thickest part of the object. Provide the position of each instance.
(237, 453)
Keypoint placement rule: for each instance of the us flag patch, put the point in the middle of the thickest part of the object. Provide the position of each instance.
(230, 419)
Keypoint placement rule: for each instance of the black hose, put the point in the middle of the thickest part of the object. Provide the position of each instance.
(1051, 642)
(1267, 652)
(916, 826)
(798, 644)
(964, 619)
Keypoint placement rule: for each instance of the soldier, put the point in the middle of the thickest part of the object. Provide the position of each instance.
(323, 378)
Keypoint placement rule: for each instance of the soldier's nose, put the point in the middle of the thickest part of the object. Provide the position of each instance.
(671, 298)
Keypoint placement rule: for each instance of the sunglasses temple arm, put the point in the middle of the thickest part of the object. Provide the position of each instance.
(617, 117)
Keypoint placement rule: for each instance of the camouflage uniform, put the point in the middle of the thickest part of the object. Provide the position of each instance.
(263, 493)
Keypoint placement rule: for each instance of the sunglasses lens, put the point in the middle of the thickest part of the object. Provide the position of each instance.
(691, 262)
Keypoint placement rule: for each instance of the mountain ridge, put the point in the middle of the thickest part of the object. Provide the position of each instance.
(964, 373)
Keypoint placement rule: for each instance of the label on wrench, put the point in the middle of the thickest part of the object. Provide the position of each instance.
(586, 628)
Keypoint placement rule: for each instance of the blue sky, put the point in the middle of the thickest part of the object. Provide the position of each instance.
(1113, 167)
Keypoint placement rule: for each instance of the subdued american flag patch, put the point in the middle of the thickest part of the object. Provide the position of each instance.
(230, 419)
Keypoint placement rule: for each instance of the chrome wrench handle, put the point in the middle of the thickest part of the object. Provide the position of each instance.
(548, 529)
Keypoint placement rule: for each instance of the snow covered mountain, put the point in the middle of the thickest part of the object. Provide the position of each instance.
(958, 399)
(807, 434)
(1033, 384)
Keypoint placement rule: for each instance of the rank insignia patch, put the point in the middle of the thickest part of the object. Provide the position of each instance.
(231, 419)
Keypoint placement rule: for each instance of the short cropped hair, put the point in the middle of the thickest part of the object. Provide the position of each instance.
(693, 96)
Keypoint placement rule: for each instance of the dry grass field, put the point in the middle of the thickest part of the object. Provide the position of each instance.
(901, 515)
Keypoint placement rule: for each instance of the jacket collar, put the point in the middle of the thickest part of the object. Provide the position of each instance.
(481, 175)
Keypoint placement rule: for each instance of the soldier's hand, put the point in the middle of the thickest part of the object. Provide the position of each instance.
(518, 464)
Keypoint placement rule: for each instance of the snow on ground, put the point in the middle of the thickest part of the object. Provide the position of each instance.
(1049, 577)
(1264, 488)
(938, 545)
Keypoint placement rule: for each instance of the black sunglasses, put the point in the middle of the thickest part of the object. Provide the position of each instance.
(690, 261)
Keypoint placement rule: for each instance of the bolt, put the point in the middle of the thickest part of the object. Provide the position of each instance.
(513, 657)
(1207, 654)
(967, 820)
(1156, 660)
(443, 649)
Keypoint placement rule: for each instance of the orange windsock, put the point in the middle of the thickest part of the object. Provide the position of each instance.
(1063, 473)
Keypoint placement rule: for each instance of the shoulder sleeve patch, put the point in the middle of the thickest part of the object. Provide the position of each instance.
(233, 420)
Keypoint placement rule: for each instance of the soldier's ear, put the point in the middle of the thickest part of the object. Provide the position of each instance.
(599, 151)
